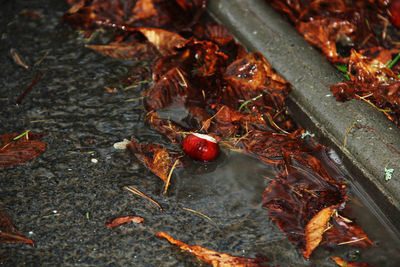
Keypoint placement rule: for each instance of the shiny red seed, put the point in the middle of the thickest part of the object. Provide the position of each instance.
(395, 11)
(201, 147)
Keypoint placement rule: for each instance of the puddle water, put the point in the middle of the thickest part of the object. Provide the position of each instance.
(229, 192)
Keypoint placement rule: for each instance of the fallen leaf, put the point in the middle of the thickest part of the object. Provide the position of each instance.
(315, 229)
(8, 232)
(154, 157)
(121, 220)
(213, 257)
(14, 152)
(344, 263)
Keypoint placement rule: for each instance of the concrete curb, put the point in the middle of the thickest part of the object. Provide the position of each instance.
(373, 142)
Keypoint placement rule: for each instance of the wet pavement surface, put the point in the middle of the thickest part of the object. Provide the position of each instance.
(62, 198)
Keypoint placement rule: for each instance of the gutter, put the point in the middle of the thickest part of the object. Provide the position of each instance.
(365, 139)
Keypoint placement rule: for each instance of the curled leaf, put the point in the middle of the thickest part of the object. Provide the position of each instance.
(213, 257)
(154, 157)
(121, 220)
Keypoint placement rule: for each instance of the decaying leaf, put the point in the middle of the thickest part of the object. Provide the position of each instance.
(345, 232)
(8, 232)
(14, 150)
(358, 33)
(371, 80)
(344, 263)
(154, 157)
(174, 15)
(121, 220)
(212, 257)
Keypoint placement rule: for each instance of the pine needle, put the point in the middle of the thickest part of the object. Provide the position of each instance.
(201, 214)
(245, 103)
(169, 176)
(21, 135)
(347, 133)
(351, 241)
(137, 192)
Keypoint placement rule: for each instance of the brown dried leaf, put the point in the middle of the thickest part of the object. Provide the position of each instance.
(251, 76)
(8, 232)
(154, 157)
(121, 220)
(322, 33)
(164, 41)
(345, 232)
(14, 152)
(212, 257)
(371, 80)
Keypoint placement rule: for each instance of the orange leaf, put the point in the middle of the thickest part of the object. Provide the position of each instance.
(344, 263)
(164, 41)
(154, 157)
(213, 257)
(315, 229)
(120, 220)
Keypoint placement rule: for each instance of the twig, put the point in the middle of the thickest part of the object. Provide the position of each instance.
(137, 192)
(28, 88)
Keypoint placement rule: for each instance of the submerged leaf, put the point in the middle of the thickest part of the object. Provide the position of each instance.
(20, 150)
(344, 263)
(213, 257)
(8, 232)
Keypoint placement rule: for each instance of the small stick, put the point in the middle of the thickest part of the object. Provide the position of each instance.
(28, 88)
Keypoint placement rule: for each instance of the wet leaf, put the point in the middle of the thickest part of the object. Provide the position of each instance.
(344, 263)
(154, 157)
(213, 257)
(358, 33)
(372, 81)
(315, 229)
(175, 15)
(132, 50)
(164, 41)
(8, 232)
(121, 220)
(345, 232)
(14, 152)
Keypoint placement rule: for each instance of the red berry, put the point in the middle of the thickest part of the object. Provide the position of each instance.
(201, 147)
(395, 11)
